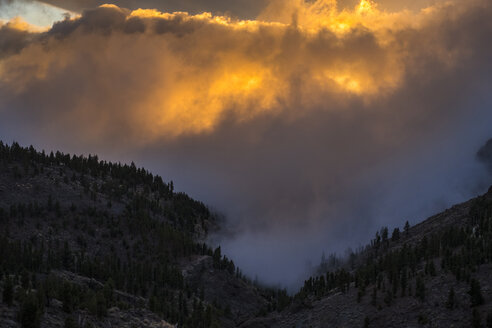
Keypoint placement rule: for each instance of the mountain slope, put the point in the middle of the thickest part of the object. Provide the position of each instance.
(99, 244)
(435, 274)
(87, 243)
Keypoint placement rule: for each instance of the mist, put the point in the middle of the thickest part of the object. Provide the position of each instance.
(308, 132)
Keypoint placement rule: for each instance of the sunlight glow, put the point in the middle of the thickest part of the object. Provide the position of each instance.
(295, 51)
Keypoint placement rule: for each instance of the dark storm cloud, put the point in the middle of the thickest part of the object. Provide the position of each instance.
(306, 136)
(12, 40)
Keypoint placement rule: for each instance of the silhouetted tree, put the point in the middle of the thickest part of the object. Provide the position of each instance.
(395, 235)
(8, 291)
(475, 292)
(489, 320)
(70, 323)
(67, 298)
(420, 289)
(29, 315)
(101, 305)
(450, 301)
(476, 320)
(406, 228)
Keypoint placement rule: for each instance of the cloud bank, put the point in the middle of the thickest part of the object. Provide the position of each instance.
(237, 8)
(309, 127)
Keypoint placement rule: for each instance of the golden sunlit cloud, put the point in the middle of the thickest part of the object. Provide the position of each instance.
(176, 74)
(17, 23)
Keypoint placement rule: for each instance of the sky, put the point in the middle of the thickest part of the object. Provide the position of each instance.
(307, 124)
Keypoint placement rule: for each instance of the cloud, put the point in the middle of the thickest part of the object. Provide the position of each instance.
(245, 9)
(307, 127)
(484, 154)
(238, 8)
(214, 66)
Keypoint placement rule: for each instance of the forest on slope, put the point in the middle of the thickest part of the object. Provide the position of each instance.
(89, 243)
(437, 273)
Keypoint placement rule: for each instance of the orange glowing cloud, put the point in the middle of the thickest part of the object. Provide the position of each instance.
(17, 23)
(174, 74)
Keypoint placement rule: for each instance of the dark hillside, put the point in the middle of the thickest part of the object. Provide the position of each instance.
(87, 243)
(435, 274)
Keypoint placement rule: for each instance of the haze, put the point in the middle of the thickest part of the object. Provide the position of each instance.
(309, 125)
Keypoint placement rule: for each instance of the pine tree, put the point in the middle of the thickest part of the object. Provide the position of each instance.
(489, 320)
(450, 301)
(395, 235)
(374, 297)
(430, 268)
(475, 292)
(388, 298)
(66, 297)
(476, 321)
(420, 289)
(403, 281)
(406, 228)
(208, 316)
(29, 314)
(25, 280)
(8, 291)
(384, 236)
(101, 305)
(108, 291)
(70, 323)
